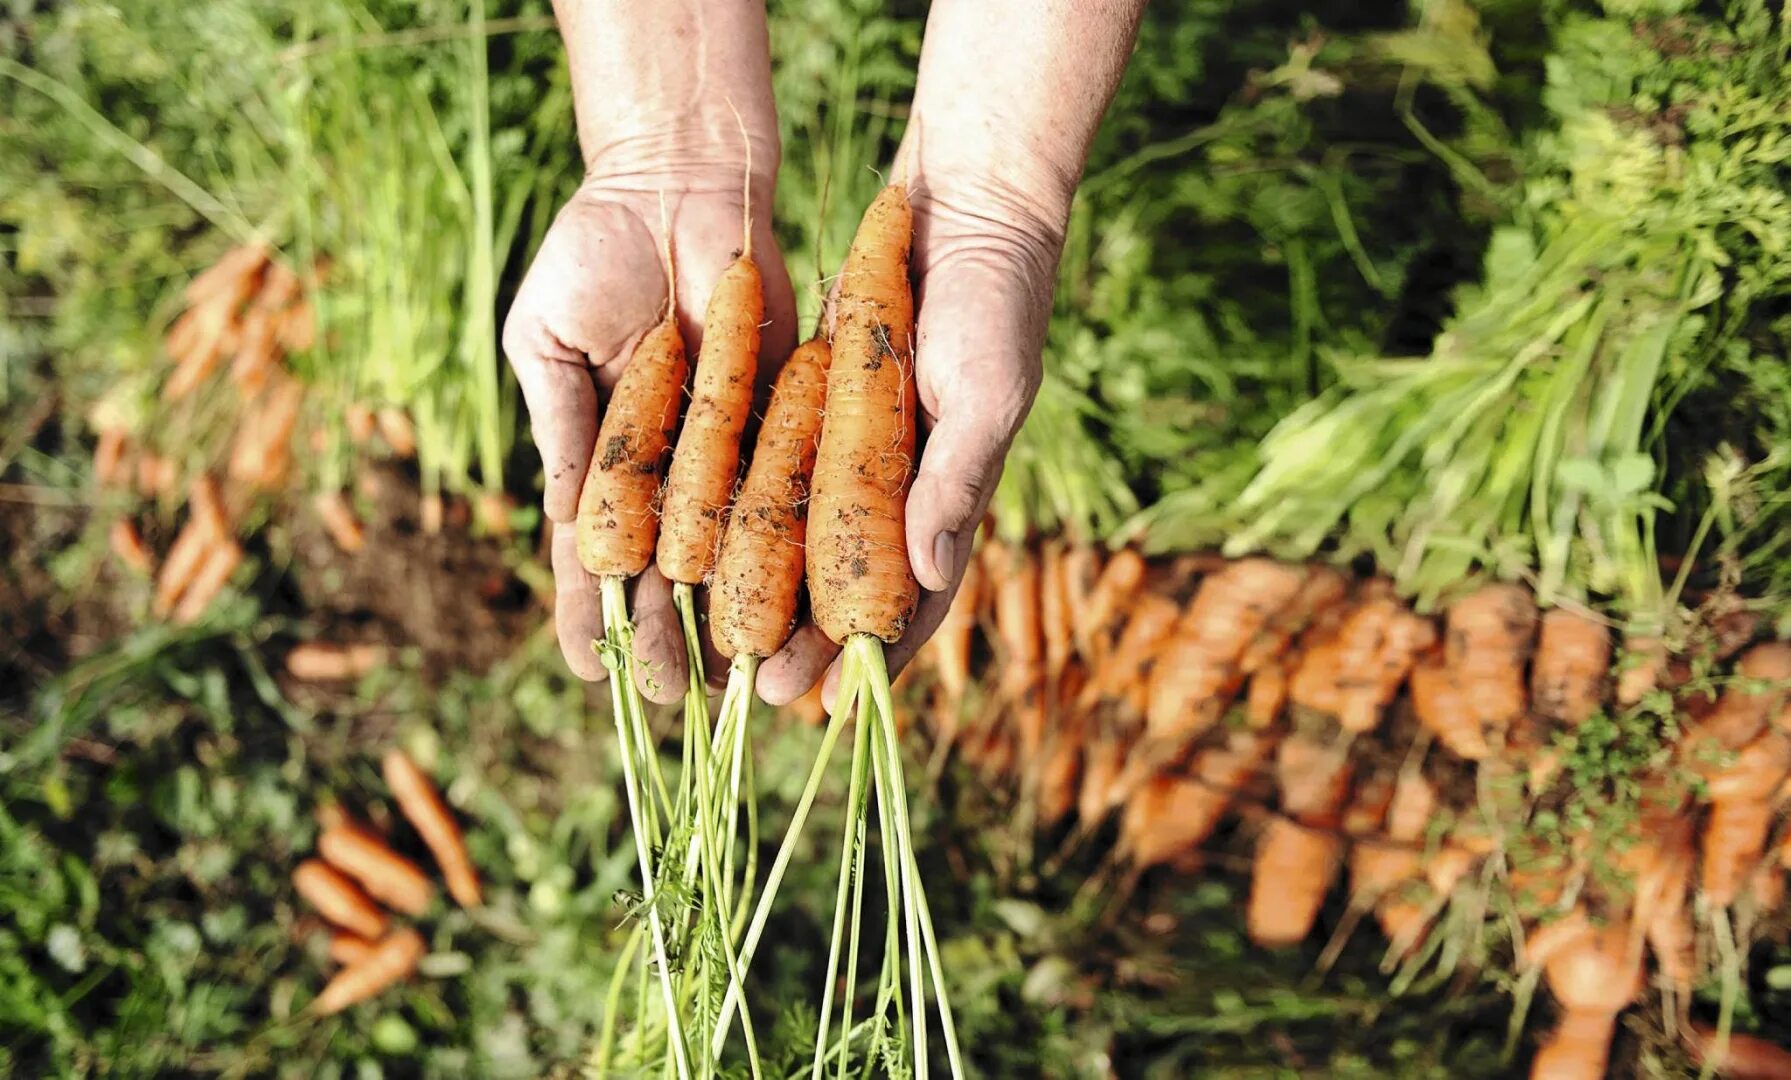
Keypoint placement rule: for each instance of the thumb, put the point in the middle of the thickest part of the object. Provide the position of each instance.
(958, 472)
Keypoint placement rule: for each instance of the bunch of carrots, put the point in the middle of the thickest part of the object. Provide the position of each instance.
(228, 350)
(357, 871)
(1402, 757)
(818, 509)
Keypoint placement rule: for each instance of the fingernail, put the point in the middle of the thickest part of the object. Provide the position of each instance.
(945, 552)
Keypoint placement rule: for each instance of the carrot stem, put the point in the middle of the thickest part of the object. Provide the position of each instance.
(632, 734)
(844, 911)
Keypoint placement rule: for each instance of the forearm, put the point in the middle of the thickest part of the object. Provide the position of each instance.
(657, 84)
(1010, 93)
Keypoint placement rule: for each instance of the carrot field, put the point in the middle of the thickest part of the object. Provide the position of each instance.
(1376, 660)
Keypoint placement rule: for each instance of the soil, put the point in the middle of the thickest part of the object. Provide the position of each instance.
(449, 594)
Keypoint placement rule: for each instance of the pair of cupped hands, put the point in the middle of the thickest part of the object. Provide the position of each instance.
(984, 262)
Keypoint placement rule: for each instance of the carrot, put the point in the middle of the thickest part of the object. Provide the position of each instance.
(390, 962)
(156, 475)
(204, 345)
(338, 899)
(700, 483)
(1322, 590)
(1125, 669)
(1170, 816)
(1093, 619)
(213, 574)
(339, 521)
(1641, 667)
(1017, 578)
(758, 577)
(127, 545)
(1292, 870)
(396, 429)
(858, 571)
(1266, 695)
(347, 948)
(423, 807)
(1758, 693)
(1595, 973)
(492, 509)
(1743, 1057)
(1060, 773)
(231, 280)
(358, 418)
(1054, 610)
(108, 457)
(1353, 668)
(808, 707)
(319, 661)
(297, 327)
(1103, 759)
(950, 646)
(1486, 649)
(1197, 671)
(388, 876)
(280, 287)
(261, 451)
(1573, 656)
(256, 351)
(1439, 705)
(1313, 776)
(182, 564)
(618, 518)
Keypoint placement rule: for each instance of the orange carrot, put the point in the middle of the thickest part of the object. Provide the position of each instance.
(700, 483)
(108, 457)
(1573, 656)
(1353, 668)
(231, 280)
(618, 512)
(429, 815)
(1745, 1057)
(1060, 773)
(213, 574)
(320, 661)
(1093, 619)
(758, 578)
(1322, 590)
(156, 475)
(256, 351)
(297, 327)
(261, 451)
(1124, 670)
(492, 509)
(1197, 671)
(1486, 649)
(390, 962)
(280, 287)
(338, 899)
(1170, 816)
(1103, 759)
(950, 646)
(347, 948)
(185, 557)
(339, 521)
(395, 427)
(1595, 973)
(1439, 705)
(859, 578)
(358, 418)
(1292, 870)
(1054, 610)
(1641, 668)
(127, 545)
(388, 876)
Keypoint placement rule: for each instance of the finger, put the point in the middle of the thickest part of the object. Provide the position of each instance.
(577, 608)
(977, 368)
(715, 665)
(562, 404)
(927, 617)
(791, 672)
(658, 639)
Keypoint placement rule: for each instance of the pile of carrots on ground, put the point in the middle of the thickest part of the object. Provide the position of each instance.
(252, 309)
(357, 871)
(1414, 758)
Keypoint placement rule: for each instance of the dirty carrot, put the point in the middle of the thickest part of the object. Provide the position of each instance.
(396, 429)
(423, 807)
(339, 521)
(386, 875)
(338, 899)
(213, 574)
(1113, 589)
(391, 961)
(758, 578)
(1573, 657)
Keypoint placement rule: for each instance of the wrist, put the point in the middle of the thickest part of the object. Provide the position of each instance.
(688, 154)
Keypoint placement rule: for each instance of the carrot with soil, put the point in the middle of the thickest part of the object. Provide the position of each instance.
(423, 807)
(863, 595)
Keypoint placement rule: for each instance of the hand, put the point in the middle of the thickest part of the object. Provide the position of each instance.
(596, 286)
(984, 266)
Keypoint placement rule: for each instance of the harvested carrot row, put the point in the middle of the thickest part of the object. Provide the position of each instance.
(390, 962)
(338, 899)
(386, 875)
(423, 807)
